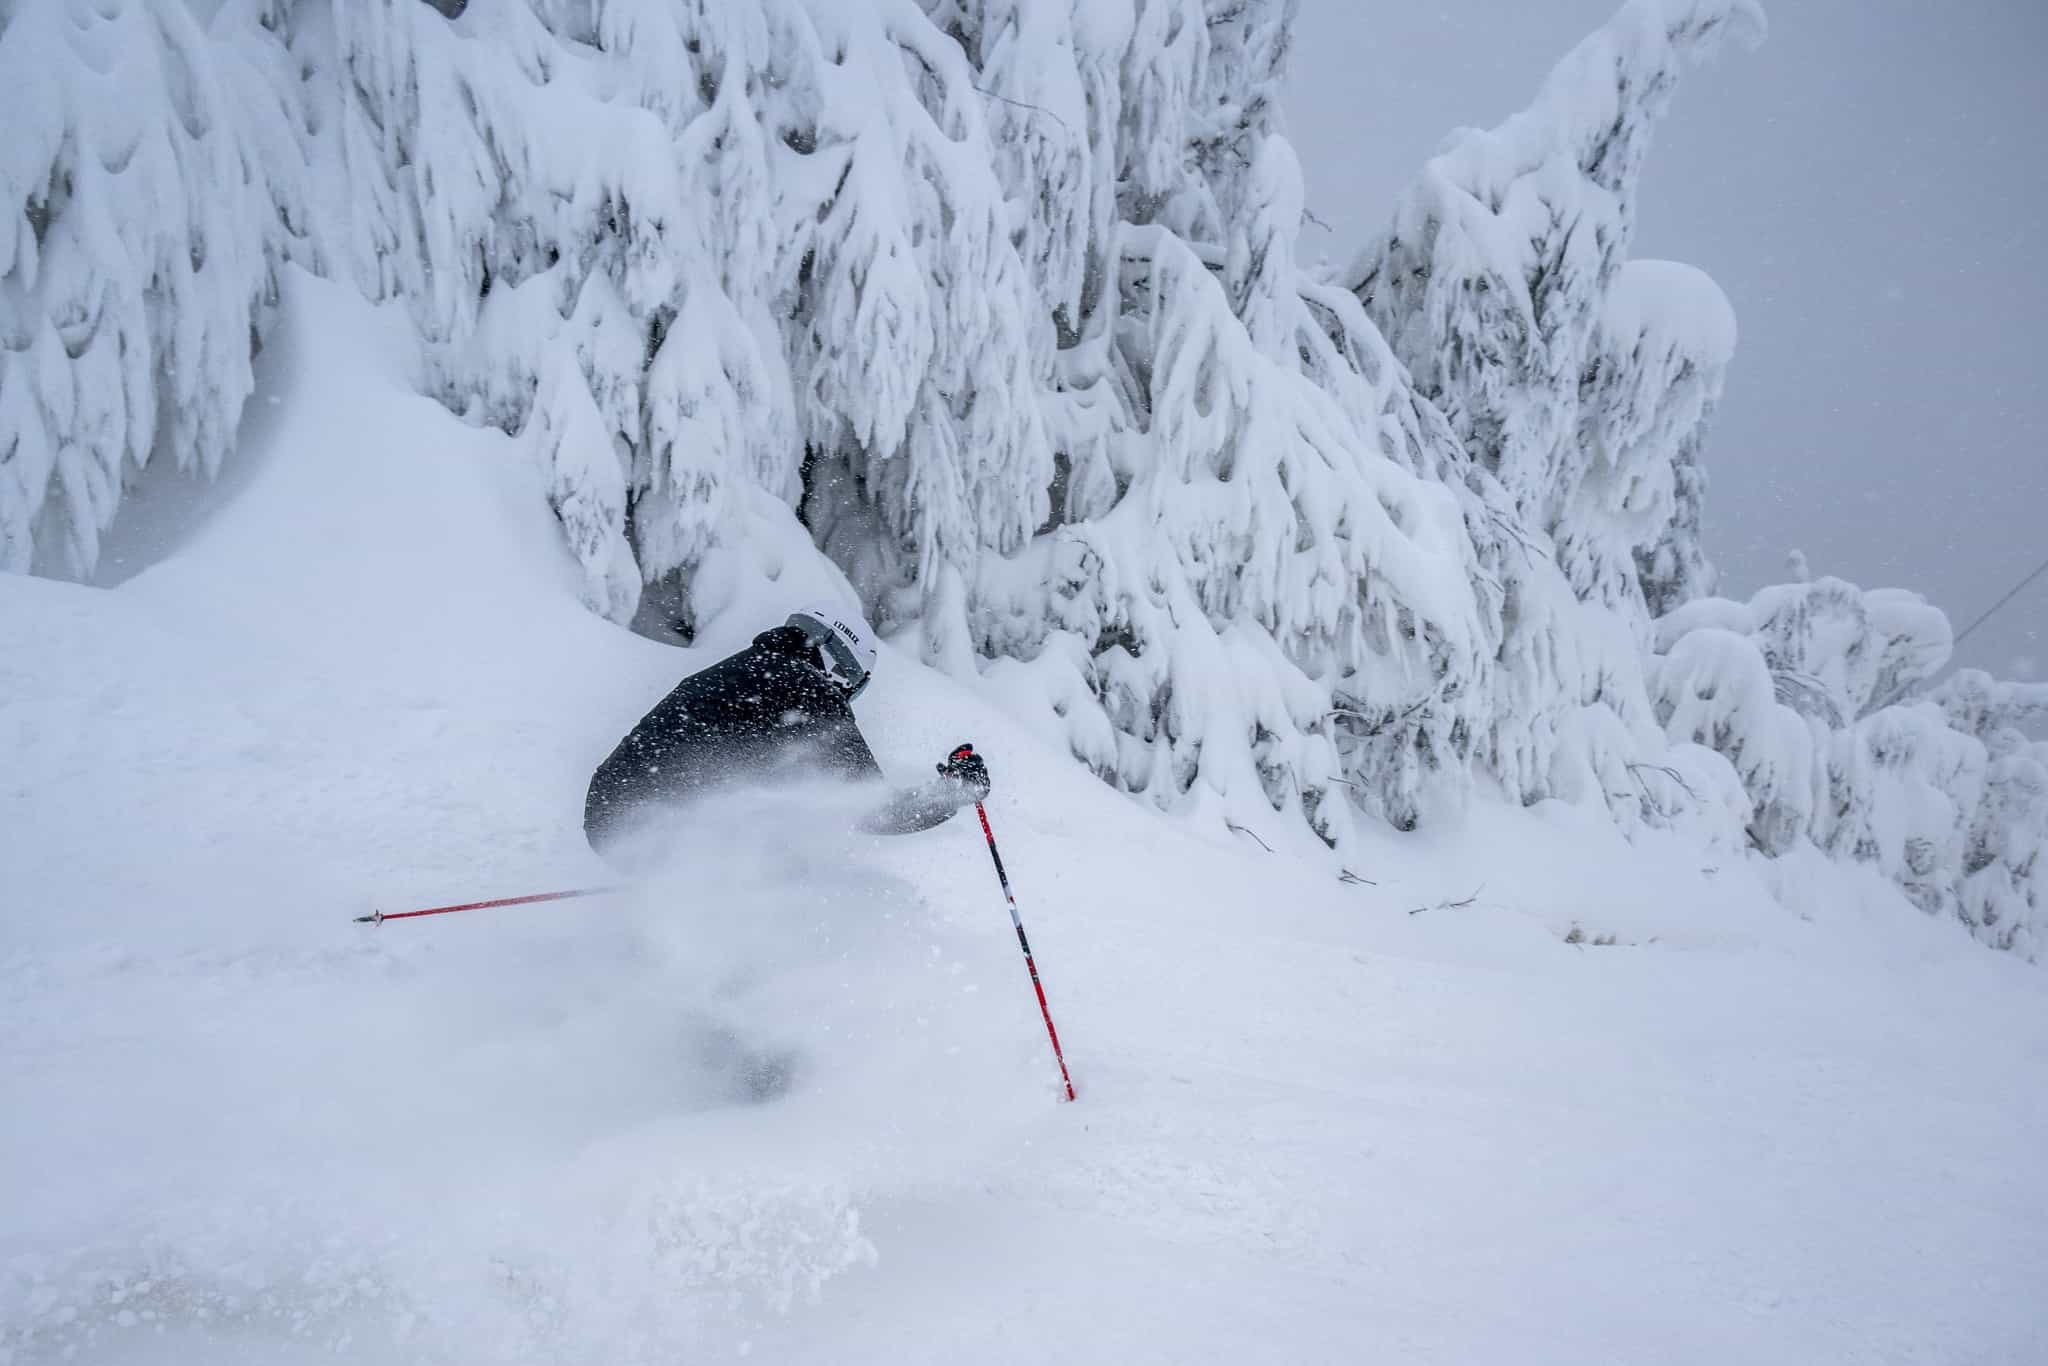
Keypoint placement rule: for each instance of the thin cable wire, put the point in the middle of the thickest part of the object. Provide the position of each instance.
(2017, 589)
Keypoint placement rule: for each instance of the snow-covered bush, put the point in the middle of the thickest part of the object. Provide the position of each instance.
(1904, 789)
(2005, 862)
(1713, 688)
(1856, 651)
(1809, 690)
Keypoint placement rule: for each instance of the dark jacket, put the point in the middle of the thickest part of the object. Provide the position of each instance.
(765, 713)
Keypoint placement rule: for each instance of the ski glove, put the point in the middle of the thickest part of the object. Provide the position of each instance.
(966, 768)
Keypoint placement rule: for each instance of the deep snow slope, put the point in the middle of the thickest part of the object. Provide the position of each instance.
(1319, 1121)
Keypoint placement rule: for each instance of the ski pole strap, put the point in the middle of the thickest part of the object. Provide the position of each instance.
(379, 917)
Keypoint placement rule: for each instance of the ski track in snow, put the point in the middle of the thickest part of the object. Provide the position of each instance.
(1313, 1126)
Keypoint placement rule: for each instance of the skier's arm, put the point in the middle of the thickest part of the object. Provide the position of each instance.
(963, 780)
(912, 809)
(907, 810)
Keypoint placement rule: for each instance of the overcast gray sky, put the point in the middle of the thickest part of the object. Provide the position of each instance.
(1870, 187)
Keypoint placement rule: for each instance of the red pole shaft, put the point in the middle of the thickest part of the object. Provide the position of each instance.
(379, 917)
(1025, 944)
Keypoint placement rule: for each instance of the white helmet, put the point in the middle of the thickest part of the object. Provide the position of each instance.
(843, 644)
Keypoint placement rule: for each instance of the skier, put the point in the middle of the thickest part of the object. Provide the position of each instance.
(776, 710)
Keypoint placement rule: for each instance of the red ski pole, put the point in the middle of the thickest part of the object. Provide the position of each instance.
(379, 917)
(1025, 944)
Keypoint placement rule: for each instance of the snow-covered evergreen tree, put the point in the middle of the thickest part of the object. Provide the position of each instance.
(995, 303)
(146, 177)
(545, 187)
(989, 309)
(1577, 377)
(1263, 584)
(1577, 382)
(1665, 339)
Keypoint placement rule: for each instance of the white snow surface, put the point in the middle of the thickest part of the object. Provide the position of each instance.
(1783, 1117)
